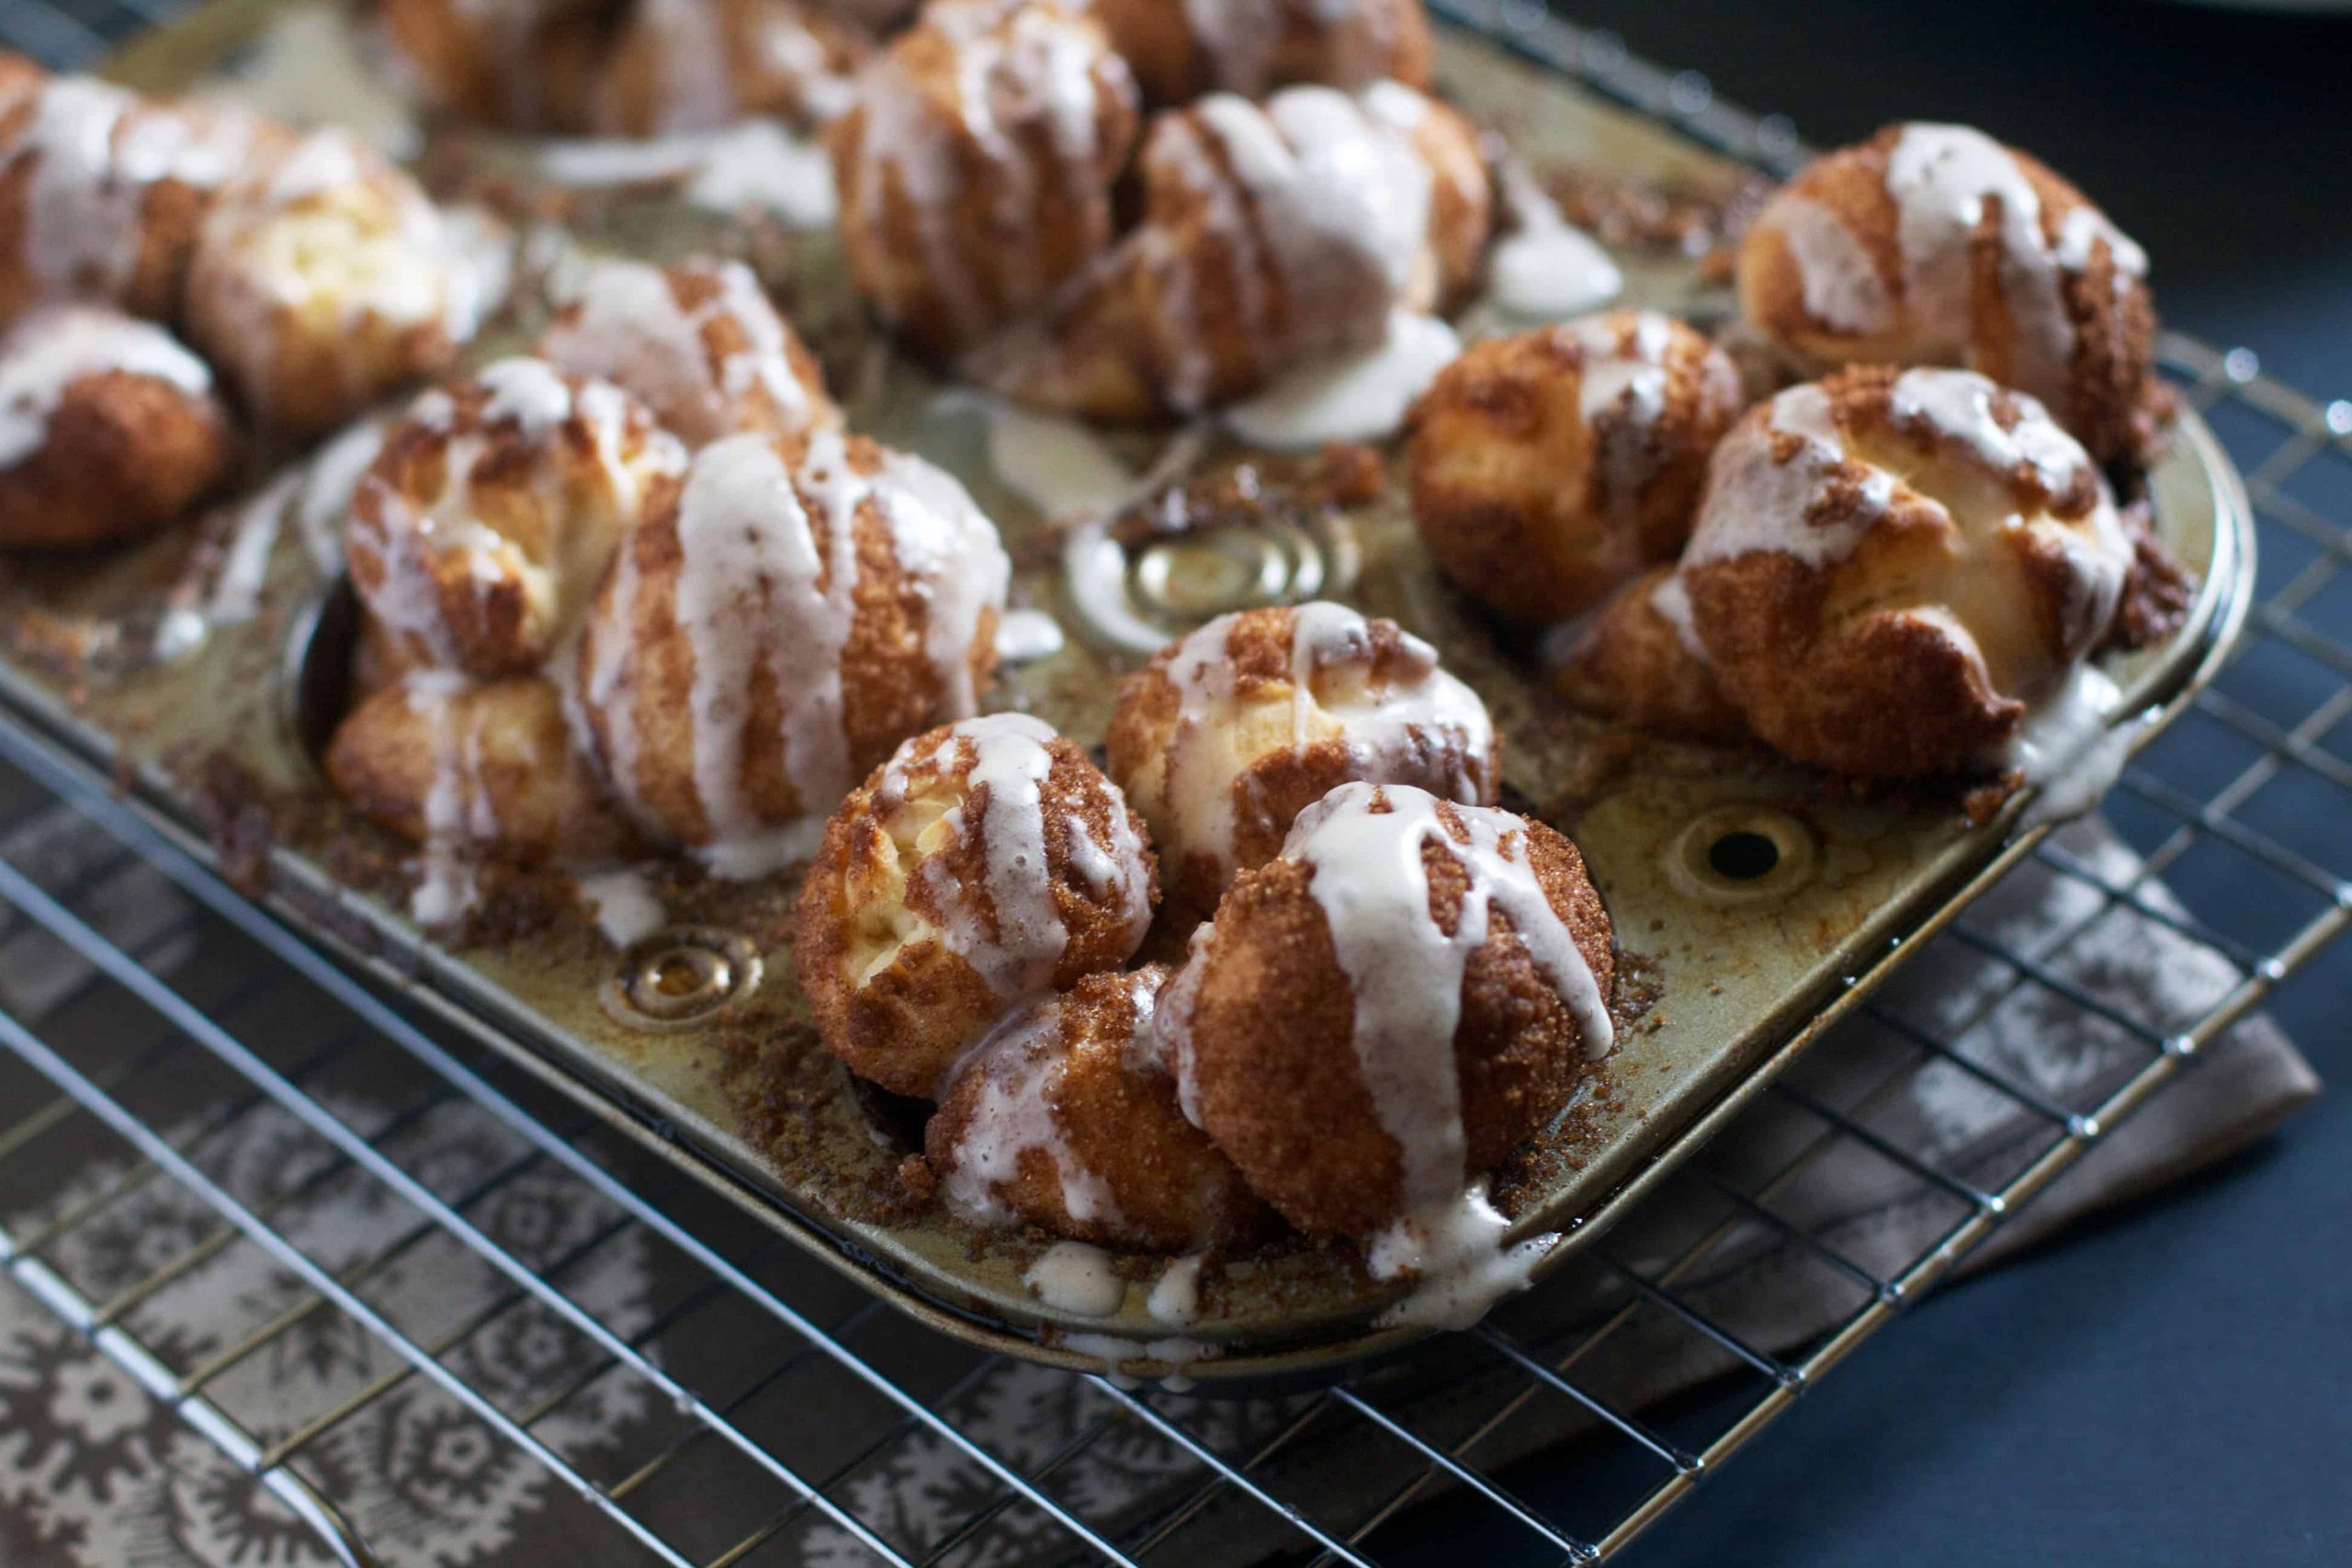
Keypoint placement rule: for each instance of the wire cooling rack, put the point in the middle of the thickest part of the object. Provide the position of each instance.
(183, 1086)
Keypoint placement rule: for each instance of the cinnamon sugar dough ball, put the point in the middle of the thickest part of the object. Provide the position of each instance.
(1227, 734)
(102, 192)
(976, 163)
(481, 529)
(763, 640)
(698, 342)
(440, 758)
(696, 65)
(1271, 234)
(1252, 47)
(1549, 467)
(108, 429)
(1641, 662)
(1383, 1013)
(1934, 244)
(985, 863)
(326, 278)
(515, 64)
(1891, 568)
(1063, 1118)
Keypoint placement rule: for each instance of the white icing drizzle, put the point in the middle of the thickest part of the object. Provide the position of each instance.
(1622, 395)
(1464, 1268)
(96, 151)
(1671, 600)
(626, 907)
(759, 166)
(1025, 637)
(755, 166)
(1075, 1277)
(1176, 1296)
(1388, 728)
(1757, 501)
(57, 345)
(631, 329)
(757, 589)
(1359, 395)
(1547, 268)
(2069, 747)
(1112, 1351)
(1839, 277)
(330, 481)
(459, 810)
(1017, 949)
(1959, 406)
(1321, 192)
(1018, 1066)
(1404, 976)
(1058, 466)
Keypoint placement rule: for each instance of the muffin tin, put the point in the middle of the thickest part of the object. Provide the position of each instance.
(1756, 904)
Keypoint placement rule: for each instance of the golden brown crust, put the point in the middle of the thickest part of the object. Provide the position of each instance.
(2102, 391)
(324, 280)
(1275, 1060)
(1540, 504)
(700, 343)
(957, 217)
(1254, 48)
(690, 65)
(434, 756)
(1963, 590)
(1633, 665)
(479, 534)
(645, 715)
(909, 944)
(1105, 1129)
(1216, 292)
(121, 452)
(1221, 774)
(515, 64)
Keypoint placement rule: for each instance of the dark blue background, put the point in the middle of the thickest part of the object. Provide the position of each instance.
(2174, 1383)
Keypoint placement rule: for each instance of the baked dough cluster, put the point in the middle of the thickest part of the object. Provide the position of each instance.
(1393, 991)
(325, 278)
(110, 428)
(793, 611)
(981, 165)
(1227, 734)
(479, 535)
(1381, 1013)
(475, 542)
(102, 192)
(985, 863)
(307, 278)
(631, 67)
(1550, 467)
(1935, 244)
(1891, 568)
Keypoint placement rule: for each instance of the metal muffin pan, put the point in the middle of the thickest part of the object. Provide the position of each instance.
(1755, 904)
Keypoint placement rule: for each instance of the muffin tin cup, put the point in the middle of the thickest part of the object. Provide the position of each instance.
(1756, 904)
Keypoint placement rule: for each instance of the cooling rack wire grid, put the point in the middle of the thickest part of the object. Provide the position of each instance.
(185, 1090)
